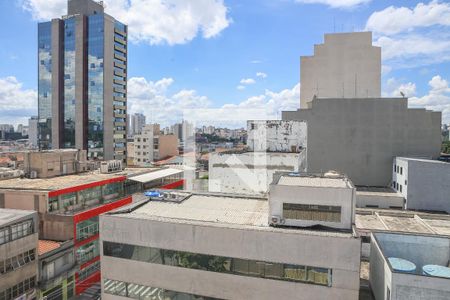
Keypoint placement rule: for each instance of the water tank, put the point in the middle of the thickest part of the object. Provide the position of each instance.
(436, 271)
(402, 265)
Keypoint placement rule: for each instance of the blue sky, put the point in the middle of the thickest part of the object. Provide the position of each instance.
(176, 64)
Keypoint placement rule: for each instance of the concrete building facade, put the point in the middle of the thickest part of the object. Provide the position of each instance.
(423, 183)
(311, 200)
(222, 248)
(346, 65)
(18, 254)
(250, 172)
(151, 145)
(137, 122)
(33, 131)
(360, 137)
(406, 266)
(82, 86)
(276, 136)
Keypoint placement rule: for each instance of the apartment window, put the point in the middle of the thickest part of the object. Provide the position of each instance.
(400, 188)
(393, 184)
(395, 168)
(21, 230)
(13, 263)
(137, 291)
(326, 213)
(401, 170)
(229, 265)
(4, 235)
(87, 228)
(406, 182)
(18, 289)
(87, 252)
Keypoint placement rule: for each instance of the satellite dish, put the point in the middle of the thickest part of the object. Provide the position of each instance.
(403, 94)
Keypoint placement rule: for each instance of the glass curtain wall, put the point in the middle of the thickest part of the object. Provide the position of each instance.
(69, 83)
(45, 85)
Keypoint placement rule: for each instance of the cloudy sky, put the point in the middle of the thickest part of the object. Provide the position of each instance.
(237, 54)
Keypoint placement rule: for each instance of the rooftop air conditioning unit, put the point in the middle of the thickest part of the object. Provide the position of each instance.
(33, 174)
(276, 221)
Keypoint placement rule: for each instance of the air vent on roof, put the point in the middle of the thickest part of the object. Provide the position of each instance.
(169, 196)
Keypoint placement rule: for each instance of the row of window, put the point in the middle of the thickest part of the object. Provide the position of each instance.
(398, 186)
(13, 263)
(88, 271)
(19, 289)
(398, 169)
(87, 252)
(230, 265)
(16, 231)
(87, 228)
(310, 212)
(137, 291)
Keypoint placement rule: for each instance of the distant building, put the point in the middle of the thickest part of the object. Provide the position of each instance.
(151, 145)
(137, 123)
(18, 254)
(272, 146)
(82, 85)
(227, 250)
(345, 66)
(33, 131)
(423, 183)
(407, 266)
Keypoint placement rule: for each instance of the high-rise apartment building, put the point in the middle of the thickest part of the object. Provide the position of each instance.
(82, 91)
(33, 131)
(136, 124)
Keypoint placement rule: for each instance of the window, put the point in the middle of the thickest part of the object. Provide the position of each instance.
(401, 170)
(4, 235)
(237, 266)
(21, 230)
(87, 228)
(400, 188)
(136, 291)
(87, 252)
(18, 289)
(88, 271)
(53, 204)
(311, 212)
(13, 263)
(406, 182)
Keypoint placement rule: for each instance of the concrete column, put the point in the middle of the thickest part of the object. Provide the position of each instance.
(108, 71)
(80, 83)
(57, 81)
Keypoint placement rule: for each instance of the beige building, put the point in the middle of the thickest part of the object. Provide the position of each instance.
(51, 163)
(346, 65)
(151, 145)
(18, 254)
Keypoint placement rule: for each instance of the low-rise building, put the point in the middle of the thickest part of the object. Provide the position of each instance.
(423, 183)
(18, 254)
(57, 269)
(407, 266)
(223, 246)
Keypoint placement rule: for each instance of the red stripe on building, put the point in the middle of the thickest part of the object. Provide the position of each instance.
(100, 209)
(84, 285)
(87, 241)
(89, 262)
(78, 188)
(173, 185)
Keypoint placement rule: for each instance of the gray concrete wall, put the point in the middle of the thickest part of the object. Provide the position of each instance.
(342, 254)
(57, 80)
(428, 186)
(346, 65)
(360, 137)
(380, 200)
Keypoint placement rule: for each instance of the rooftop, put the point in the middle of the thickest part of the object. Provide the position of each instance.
(45, 246)
(368, 220)
(11, 215)
(331, 180)
(421, 159)
(223, 210)
(66, 181)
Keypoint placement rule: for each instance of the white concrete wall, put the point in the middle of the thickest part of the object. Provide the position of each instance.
(250, 172)
(276, 136)
(428, 185)
(343, 197)
(380, 200)
(400, 177)
(345, 66)
(341, 254)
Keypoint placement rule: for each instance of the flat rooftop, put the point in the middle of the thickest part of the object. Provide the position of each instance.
(11, 215)
(66, 181)
(223, 210)
(368, 220)
(377, 191)
(421, 159)
(313, 180)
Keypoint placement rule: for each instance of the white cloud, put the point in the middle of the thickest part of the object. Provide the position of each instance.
(240, 87)
(261, 75)
(438, 98)
(247, 81)
(16, 103)
(152, 21)
(392, 20)
(272, 102)
(336, 3)
(255, 61)
(394, 88)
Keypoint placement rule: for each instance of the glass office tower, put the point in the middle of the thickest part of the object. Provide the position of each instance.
(82, 91)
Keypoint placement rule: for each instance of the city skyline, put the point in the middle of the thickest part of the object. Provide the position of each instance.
(200, 67)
